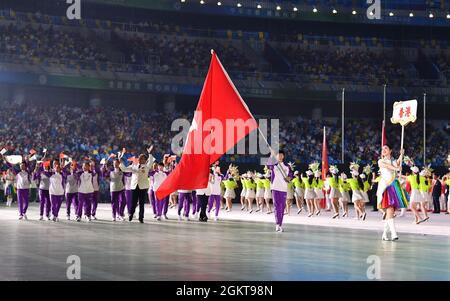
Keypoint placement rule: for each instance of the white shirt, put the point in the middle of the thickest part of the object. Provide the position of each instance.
(139, 173)
(95, 182)
(23, 180)
(71, 183)
(158, 179)
(127, 182)
(85, 185)
(279, 184)
(56, 184)
(116, 180)
(44, 182)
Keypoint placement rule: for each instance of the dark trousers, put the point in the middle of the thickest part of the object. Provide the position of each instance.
(138, 195)
(203, 199)
(436, 203)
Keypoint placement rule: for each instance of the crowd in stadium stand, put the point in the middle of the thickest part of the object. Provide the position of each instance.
(96, 132)
(354, 65)
(176, 52)
(31, 43)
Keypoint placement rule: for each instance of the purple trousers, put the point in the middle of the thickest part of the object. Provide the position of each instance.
(56, 201)
(195, 204)
(151, 195)
(162, 206)
(71, 198)
(84, 202)
(44, 202)
(279, 204)
(214, 199)
(184, 201)
(23, 198)
(95, 197)
(128, 200)
(118, 203)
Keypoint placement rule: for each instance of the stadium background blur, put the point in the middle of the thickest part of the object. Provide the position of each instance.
(119, 76)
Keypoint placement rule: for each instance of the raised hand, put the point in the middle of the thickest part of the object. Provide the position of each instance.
(150, 149)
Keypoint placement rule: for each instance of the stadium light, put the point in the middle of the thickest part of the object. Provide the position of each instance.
(295, 8)
(448, 16)
(219, 3)
(315, 10)
(411, 14)
(258, 6)
(431, 15)
(353, 12)
(278, 7)
(202, 2)
(239, 4)
(334, 11)
(371, 13)
(391, 14)
(182, 1)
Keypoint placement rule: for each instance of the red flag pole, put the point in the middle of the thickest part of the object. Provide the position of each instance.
(324, 162)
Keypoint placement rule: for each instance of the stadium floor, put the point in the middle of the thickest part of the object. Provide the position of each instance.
(224, 250)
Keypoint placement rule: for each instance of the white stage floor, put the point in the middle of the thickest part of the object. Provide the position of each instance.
(239, 246)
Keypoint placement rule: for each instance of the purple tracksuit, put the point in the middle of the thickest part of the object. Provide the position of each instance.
(42, 179)
(71, 198)
(279, 189)
(56, 204)
(23, 181)
(184, 201)
(214, 199)
(85, 192)
(195, 205)
(96, 194)
(71, 190)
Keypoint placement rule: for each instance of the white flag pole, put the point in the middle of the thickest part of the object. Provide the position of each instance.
(424, 128)
(342, 127)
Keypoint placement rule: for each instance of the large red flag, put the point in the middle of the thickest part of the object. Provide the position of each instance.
(221, 120)
(324, 162)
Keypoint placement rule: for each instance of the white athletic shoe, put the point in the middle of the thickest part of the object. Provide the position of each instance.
(180, 218)
(186, 218)
(216, 218)
(277, 228)
(89, 218)
(154, 216)
(280, 229)
(21, 217)
(68, 217)
(49, 218)
(158, 218)
(165, 217)
(41, 218)
(94, 218)
(78, 219)
(25, 217)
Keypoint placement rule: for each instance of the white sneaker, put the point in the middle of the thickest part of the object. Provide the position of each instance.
(41, 218)
(25, 217)
(180, 218)
(158, 218)
(68, 217)
(89, 218)
(187, 218)
(277, 228)
(166, 217)
(49, 218)
(280, 229)
(113, 219)
(94, 217)
(216, 218)
(21, 217)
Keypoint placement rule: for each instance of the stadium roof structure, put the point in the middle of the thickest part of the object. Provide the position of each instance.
(402, 12)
